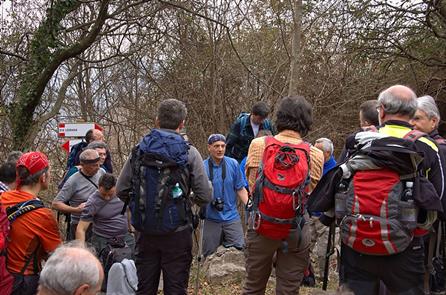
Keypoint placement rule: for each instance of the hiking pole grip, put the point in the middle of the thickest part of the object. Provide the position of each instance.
(327, 255)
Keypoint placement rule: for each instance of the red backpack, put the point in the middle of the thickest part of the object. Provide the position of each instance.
(278, 196)
(375, 203)
(6, 279)
(7, 217)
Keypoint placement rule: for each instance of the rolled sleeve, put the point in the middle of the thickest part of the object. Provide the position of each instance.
(66, 192)
(239, 180)
(89, 211)
(124, 182)
(199, 180)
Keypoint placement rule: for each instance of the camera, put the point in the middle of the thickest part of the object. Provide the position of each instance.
(218, 204)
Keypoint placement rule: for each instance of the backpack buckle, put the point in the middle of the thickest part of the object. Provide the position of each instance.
(257, 220)
(298, 209)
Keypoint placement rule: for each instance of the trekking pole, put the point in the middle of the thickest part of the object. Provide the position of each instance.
(328, 253)
(127, 201)
(199, 257)
(443, 241)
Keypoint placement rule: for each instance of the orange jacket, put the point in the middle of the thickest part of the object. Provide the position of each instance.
(37, 228)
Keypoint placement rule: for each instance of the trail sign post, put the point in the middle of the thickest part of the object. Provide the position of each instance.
(69, 144)
(76, 129)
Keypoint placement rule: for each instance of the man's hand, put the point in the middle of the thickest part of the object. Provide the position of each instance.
(81, 207)
(131, 229)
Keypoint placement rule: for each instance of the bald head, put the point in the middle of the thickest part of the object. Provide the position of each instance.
(98, 135)
(94, 135)
(402, 92)
(397, 102)
(71, 269)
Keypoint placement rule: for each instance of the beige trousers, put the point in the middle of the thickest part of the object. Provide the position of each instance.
(290, 265)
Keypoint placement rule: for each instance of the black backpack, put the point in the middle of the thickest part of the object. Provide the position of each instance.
(116, 250)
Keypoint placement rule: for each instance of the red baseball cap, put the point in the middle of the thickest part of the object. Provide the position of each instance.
(33, 161)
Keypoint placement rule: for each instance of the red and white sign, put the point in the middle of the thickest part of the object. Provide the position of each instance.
(76, 129)
(69, 144)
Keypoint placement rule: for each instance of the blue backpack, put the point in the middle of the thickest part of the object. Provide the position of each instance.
(244, 117)
(159, 200)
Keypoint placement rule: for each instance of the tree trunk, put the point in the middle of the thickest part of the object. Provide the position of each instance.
(296, 48)
(46, 54)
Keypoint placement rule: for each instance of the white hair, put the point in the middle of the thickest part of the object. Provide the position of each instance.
(69, 267)
(327, 144)
(427, 104)
(97, 145)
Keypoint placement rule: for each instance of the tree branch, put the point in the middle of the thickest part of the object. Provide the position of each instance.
(228, 32)
(4, 52)
(61, 94)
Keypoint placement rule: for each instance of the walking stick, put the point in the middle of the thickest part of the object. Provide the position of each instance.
(199, 257)
(328, 253)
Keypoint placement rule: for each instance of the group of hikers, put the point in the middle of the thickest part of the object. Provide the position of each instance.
(384, 193)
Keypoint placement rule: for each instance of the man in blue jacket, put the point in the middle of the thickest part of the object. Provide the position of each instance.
(245, 129)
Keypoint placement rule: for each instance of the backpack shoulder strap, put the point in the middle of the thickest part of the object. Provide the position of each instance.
(243, 117)
(414, 135)
(266, 124)
(15, 212)
(89, 179)
(258, 184)
(440, 140)
(269, 140)
(32, 257)
(21, 208)
(211, 170)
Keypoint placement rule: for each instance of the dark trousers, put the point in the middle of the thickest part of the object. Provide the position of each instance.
(171, 254)
(402, 273)
(72, 235)
(25, 285)
(99, 243)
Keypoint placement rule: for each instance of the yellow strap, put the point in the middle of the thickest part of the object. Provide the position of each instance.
(401, 131)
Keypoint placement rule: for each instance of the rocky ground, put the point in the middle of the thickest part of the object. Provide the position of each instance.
(223, 273)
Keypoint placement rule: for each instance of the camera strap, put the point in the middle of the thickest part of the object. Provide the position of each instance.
(223, 174)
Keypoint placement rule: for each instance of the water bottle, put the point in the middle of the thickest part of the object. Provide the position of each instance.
(408, 211)
(177, 192)
(346, 172)
(408, 191)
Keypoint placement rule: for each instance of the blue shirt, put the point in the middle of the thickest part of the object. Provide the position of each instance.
(233, 182)
(330, 164)
(242, 169)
